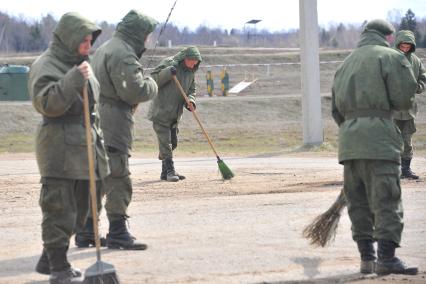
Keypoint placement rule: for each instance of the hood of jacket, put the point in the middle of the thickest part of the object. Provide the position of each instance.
(134, 28)
(190, 52)
(405, 36)
(372, 37)
(69, 33)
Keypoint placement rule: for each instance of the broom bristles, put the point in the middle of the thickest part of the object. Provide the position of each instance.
(101, 273)
(109, 278)
(322, 230)
(225, 171)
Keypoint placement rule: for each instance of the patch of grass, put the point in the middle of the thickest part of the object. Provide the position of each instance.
(17, 143)
(228, 142)
(230, 145)
(237, 142)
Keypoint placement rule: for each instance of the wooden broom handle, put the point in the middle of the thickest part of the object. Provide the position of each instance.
(189, 104)
(92, 178)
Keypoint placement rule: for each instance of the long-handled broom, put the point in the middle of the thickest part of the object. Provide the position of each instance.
(323, 228)
(223, 168)
(100, 272)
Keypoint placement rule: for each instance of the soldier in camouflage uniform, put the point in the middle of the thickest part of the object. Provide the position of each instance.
(123, 86)
(166, 109)
(56, 82)
(373, 81)
(406, 43)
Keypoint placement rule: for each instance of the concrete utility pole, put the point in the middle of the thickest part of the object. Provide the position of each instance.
(309, 53)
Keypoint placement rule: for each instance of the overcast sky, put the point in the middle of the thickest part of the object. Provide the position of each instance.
(226, 14)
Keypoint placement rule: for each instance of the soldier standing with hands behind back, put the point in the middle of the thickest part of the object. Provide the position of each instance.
(373, 81)
(56, 82)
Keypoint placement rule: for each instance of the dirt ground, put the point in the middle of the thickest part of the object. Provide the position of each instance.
(205, 230)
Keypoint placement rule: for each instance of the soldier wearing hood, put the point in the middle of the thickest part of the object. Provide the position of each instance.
(405, 42)
(373, 81)
(166, 109)
(122, 87)
(56, 82)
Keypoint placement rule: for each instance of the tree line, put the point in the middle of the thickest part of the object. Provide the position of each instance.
(21, 35)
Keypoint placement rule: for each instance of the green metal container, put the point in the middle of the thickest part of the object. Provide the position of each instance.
(13, 83)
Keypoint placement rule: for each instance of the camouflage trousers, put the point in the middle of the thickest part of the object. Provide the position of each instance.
(408, 128)
(373, 195)
(117, 186)
(64, 204)
(167, 140)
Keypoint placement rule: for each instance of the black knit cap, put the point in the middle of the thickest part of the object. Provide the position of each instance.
(382, 26)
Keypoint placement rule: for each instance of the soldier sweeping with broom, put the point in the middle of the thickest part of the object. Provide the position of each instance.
(166, 109)
(373, 81)
(175, 77)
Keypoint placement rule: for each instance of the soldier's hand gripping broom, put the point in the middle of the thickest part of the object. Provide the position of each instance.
(323, 228)
(100, 272)
(223, 168)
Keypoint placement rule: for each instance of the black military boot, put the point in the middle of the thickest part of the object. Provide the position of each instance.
(388, 263)
(163, 170)
(120, 238)
(61, 271)
(406, 170)
(368, 256)
(170, 169)
(43, 266)
(181, 177)
(86, 238)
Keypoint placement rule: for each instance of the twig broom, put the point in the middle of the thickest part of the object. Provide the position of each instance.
(323, 228)
(225, 171)
(100, 272)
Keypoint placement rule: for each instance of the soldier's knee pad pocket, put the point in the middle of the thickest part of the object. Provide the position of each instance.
(118, 164)
(51, 198)
(387, 179)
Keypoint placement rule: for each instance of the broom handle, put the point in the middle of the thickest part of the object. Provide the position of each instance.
(189, 104)
(92, 183)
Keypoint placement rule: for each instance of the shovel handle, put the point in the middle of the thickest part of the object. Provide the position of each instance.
(92, 178)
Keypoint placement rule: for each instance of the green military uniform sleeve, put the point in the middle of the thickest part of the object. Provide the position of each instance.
(337, 116)
(421, 80)
(130, 84)
(400, 81)
(53, 99)
(162, 76)
(191, 92)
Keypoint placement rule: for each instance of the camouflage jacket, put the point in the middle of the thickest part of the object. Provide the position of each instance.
(120, 74)
(372, 81)
(419, 72)
(55, 86)
(167, 107)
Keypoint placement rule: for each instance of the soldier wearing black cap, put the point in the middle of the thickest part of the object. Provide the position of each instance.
(372, 82)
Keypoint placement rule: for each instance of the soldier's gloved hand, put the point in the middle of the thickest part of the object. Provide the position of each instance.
(191, 106)
(173, 70)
